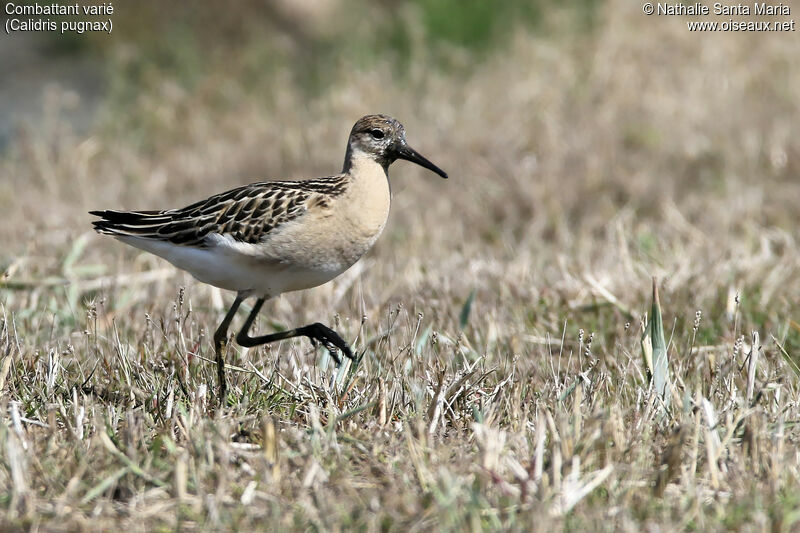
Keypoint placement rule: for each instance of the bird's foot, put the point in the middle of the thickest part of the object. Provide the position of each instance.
(330, 340)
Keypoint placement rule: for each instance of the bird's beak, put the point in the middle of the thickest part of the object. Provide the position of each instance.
(409, 154)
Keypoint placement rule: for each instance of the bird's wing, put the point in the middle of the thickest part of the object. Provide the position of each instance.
(246, 213)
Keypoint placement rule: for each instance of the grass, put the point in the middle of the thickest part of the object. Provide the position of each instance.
(500, 316)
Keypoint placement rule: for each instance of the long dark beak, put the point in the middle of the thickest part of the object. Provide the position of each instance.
(409, 154)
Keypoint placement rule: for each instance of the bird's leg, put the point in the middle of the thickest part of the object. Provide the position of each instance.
(315, 332)
(220, 341)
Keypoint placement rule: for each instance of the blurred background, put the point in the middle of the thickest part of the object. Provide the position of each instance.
(589, 146)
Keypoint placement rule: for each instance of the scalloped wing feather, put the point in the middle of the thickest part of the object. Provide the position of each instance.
(247, 214)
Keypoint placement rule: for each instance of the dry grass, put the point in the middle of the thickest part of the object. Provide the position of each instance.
(582, 164)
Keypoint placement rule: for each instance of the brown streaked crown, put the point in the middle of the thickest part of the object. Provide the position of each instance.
(384, 123)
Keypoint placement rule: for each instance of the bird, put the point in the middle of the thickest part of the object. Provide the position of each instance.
(270, 237)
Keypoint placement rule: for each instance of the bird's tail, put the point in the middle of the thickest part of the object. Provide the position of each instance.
(129, 223)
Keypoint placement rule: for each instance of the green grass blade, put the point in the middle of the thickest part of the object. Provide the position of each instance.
(463, 318)
(355, 411)
(660, 361)
(787, 358)
(422, 339)
(101, 487)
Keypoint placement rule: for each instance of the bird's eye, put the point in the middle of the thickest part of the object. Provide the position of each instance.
(376, 134)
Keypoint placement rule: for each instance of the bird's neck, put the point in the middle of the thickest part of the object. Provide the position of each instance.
(368, 181)
(355, 158)
(362, 168)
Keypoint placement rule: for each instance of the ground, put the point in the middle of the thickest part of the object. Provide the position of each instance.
(500, 316)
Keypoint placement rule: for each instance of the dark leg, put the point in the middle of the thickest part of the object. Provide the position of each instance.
(220, 340)
(315, 332)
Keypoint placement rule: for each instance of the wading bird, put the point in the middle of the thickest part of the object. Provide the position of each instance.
(271, 237)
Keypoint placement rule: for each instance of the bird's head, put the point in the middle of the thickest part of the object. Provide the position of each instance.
(383, 139)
